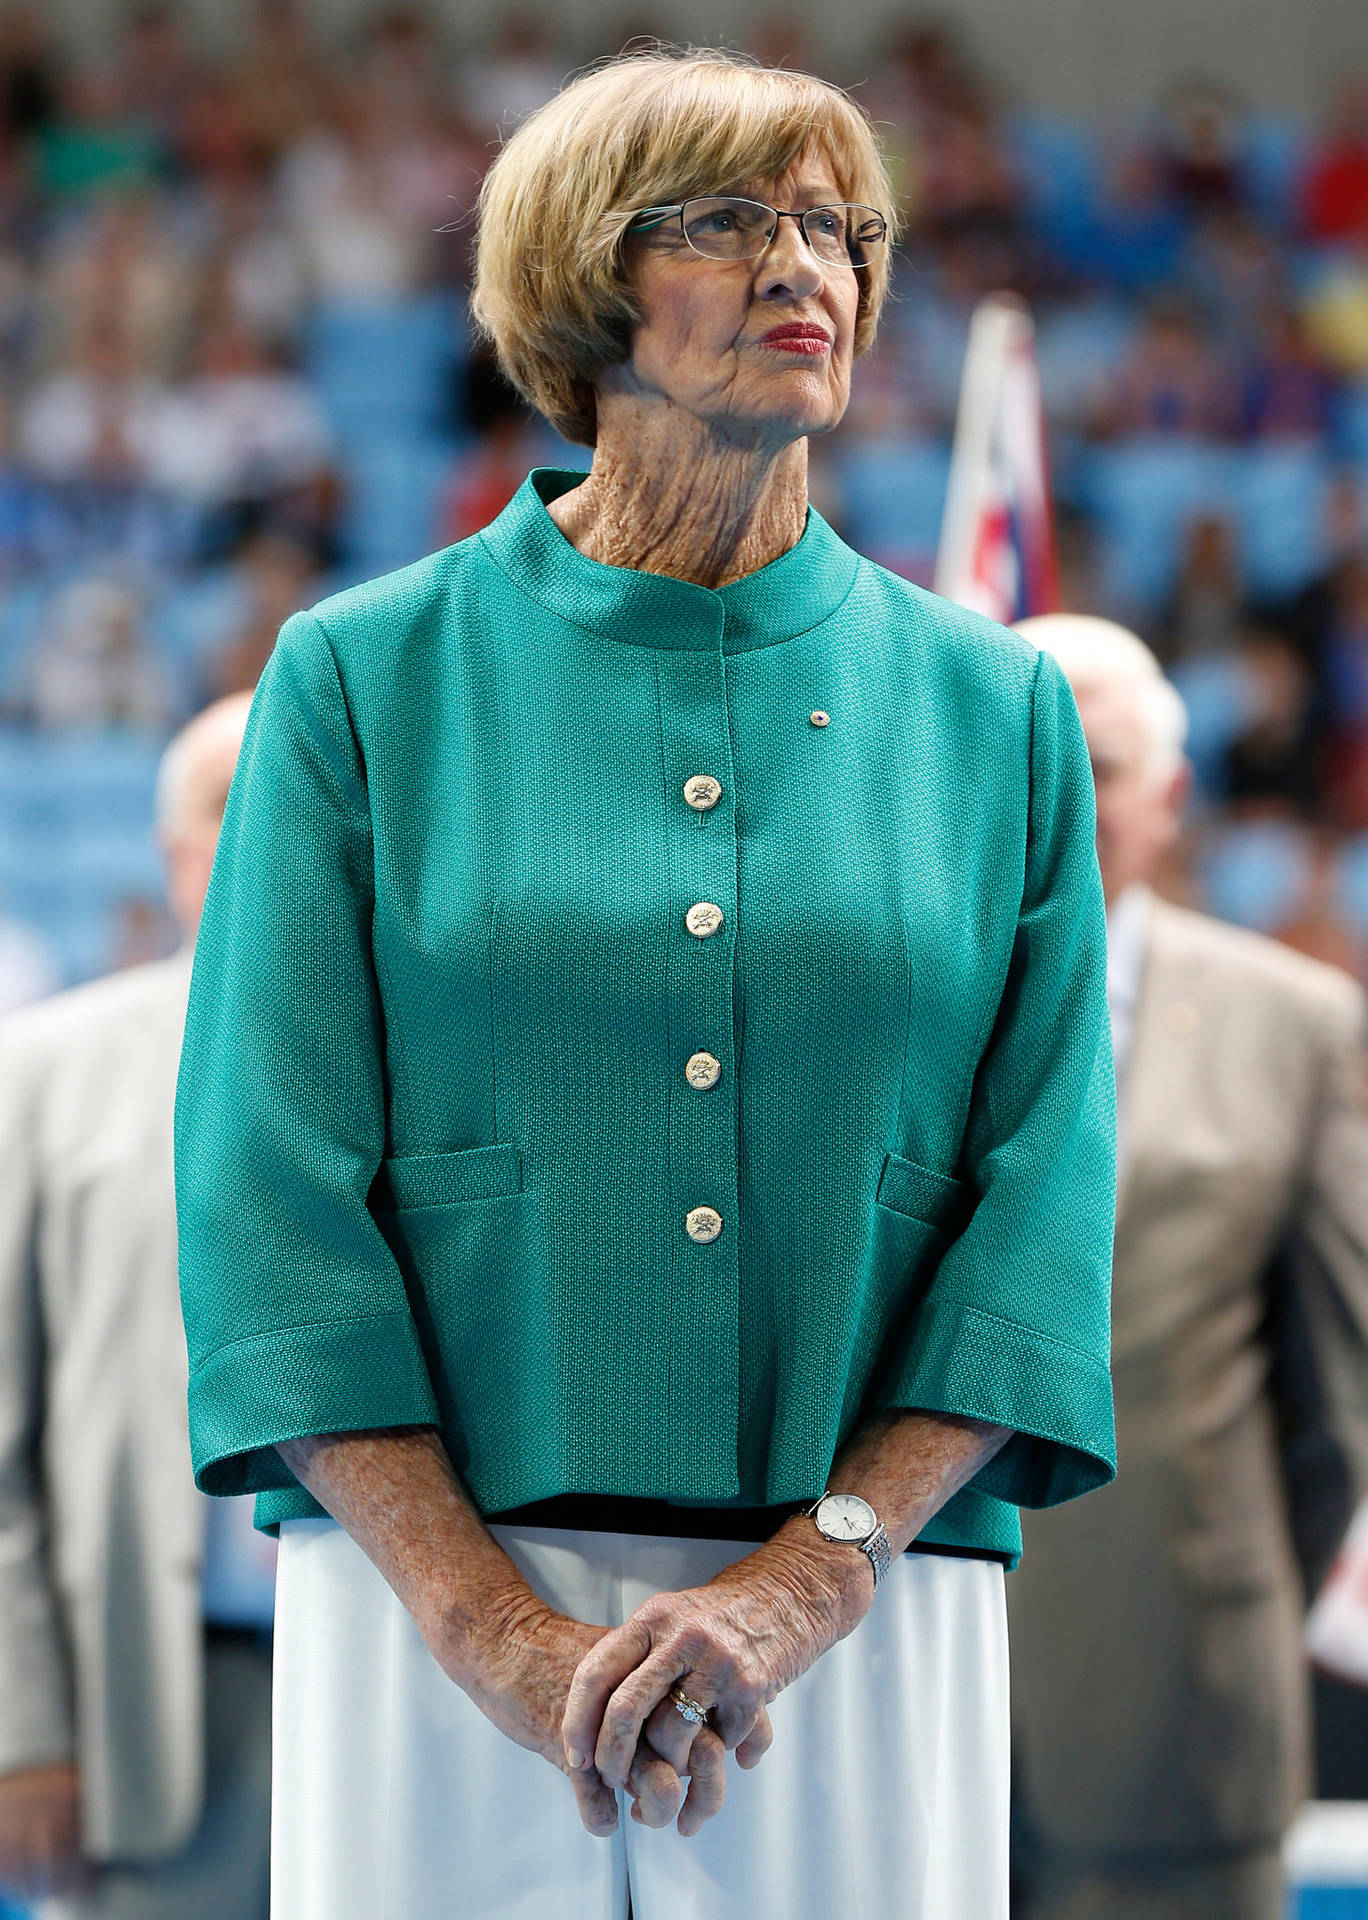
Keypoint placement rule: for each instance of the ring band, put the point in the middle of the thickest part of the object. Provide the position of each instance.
(692, 1710)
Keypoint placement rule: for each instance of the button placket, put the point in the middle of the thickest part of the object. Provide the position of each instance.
(703, 1147)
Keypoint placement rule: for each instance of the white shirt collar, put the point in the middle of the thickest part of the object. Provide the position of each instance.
(1128, 925)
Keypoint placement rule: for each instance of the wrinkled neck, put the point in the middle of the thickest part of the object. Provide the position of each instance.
(670, 494)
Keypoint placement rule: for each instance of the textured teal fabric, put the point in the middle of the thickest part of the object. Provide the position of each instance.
(435, 1145)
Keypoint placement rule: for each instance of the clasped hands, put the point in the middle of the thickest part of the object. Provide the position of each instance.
(596, 1703)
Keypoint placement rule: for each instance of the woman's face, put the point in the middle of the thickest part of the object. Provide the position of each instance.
(709, 342)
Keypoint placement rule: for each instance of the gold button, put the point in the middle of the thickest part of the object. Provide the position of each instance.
(702, 791)
(818, 718)
(703, 1223)
(703, 918)
(701, 1070)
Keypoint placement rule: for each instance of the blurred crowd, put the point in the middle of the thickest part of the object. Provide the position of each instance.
(236, 372)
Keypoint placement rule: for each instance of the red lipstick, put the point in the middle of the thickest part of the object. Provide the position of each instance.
(797, 336)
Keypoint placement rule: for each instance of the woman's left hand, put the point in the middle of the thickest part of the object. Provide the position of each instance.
(733, 1644)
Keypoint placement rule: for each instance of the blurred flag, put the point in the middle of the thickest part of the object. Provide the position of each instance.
(997, 549)
(1337, 1625)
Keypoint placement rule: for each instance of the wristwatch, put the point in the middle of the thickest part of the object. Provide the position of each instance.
(846, 1518)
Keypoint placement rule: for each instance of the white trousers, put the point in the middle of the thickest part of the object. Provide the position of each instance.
(885, 1793)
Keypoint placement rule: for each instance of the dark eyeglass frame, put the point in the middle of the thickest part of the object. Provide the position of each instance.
(648, 219)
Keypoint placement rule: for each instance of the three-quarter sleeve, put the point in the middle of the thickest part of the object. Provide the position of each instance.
(1015, 1328)
(296, 1315)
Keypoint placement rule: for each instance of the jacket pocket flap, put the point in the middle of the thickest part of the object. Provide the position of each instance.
(935, 1198)
(439, 1179)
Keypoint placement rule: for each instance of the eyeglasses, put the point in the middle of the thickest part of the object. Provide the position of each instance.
(723, 228)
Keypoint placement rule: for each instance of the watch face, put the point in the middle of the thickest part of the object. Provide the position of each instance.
(845, 1516)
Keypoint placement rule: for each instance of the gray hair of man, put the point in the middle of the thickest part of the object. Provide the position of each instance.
(196, 770)
(193, 778)
(1093, 652)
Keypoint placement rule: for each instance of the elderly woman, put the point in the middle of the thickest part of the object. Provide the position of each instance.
(645, 1131)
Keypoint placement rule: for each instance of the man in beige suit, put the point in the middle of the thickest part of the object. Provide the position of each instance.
(134, 1669)
(1160, 1696)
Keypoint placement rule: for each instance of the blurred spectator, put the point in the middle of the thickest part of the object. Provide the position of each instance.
(486, 477)
(922, 86)
(119, 271)
(242, 434)
(91, 666)
(359, 203)
(95, 418)
(134, 1621)
(252, 271)
(489, 473)
(1335, 198)
(1205, 612)
(28, 72)
(277, 574)
(497, 89)
(1197, 148)
(158, 76)
(1345, 665)
(284, 77)
(1336, 311)
(28, 968)
(1173, 381)
(1161, 1700)
(1236, 271)
(1270, 763)
(1317, 926)
(1289, 391)
(94, 142)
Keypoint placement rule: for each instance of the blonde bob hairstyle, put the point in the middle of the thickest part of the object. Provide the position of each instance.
(552, 289)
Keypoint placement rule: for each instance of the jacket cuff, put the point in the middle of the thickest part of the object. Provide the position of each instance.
(977, 1523)
(338, 1376)
(1057, 1398)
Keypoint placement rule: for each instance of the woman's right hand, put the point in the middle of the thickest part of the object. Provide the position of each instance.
(517, 1667)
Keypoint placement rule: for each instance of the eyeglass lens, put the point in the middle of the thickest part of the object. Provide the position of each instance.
(729, 229)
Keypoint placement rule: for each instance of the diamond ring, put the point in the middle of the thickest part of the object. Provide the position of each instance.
(692, 1710)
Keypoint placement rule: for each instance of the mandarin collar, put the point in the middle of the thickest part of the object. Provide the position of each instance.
(793, 594)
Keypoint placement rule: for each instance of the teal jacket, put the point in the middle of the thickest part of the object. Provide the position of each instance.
(439, 1144)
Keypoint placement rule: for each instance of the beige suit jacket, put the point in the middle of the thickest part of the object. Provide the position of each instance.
(101, 1527)
(1159, 1695)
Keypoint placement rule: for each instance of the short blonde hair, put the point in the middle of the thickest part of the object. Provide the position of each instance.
(551, 289)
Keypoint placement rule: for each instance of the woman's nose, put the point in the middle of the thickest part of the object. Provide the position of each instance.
(788, 264)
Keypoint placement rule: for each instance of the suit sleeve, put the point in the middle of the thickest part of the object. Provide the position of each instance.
(1016, 1326)
(35, 1684)
(296, 1316)
(1320, 1370)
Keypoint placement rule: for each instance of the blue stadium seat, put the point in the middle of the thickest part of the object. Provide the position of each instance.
(108, 778)
(1060, 167)
(1279, 493)
(1274, 165)
(33, 790)
(1216, 692)
(1351, 424)
(1144, 492)
(103, 866)
(893, 495)
(395, 486)
(1255, 873)
(1330, 1903)
(384, 365)
(1077, 348)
